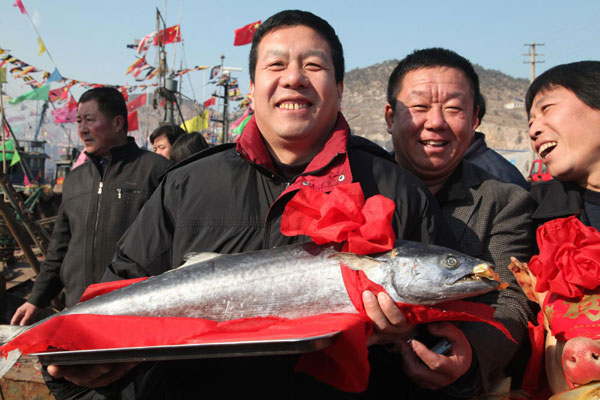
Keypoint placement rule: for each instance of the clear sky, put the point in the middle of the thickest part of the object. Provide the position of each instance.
(87, 39)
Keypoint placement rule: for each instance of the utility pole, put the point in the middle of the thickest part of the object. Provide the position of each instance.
(532, 54)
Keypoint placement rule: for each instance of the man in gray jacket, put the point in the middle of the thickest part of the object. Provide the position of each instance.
(432, 112)
(100, 199)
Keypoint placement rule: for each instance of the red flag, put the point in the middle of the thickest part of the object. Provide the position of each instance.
(132, 122)
(209, 102)
(6, 129)
(72, 104)
(19, 3)
(136, 103)
(244, 34)
(123, 90)
(61, 93)
(169, 35)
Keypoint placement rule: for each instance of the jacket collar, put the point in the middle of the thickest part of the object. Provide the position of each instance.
(328, 168)
(561, 199)
(117, 152)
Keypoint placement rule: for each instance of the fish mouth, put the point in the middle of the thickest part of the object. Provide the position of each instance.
(480, 272)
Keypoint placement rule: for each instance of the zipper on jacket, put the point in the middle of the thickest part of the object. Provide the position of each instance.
(118, 193)
(100, 187)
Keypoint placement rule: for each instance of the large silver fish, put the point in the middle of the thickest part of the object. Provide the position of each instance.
(292, 281)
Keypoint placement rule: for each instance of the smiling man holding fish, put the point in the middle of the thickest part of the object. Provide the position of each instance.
(231, 198)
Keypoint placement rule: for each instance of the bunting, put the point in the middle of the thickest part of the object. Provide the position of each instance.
(19, 3)
(41, 93)
(42, 47)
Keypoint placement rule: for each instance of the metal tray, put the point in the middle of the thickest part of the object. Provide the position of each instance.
(189, 351)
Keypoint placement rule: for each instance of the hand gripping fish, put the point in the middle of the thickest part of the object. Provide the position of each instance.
(289, 282)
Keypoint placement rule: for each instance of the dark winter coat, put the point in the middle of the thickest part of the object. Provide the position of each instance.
(94, 213)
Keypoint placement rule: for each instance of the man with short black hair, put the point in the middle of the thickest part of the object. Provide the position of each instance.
(231, 198)
(432, 112)
(100, 199)
(163, 138)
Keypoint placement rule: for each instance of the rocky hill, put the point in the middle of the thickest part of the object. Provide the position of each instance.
(505, 122)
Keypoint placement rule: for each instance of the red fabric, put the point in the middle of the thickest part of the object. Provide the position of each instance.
(341, 216)
(61, 93)
(169, 35)
(136, 103)
(19, 3)
(534, 382)
(123, 90)
(98, 289)
(570, 318)
(209, 102)
(343, 365)
(569, 258)
(244, 34)
(132, 121)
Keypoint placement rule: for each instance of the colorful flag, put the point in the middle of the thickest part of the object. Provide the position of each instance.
(136, 64)
(169, 35)
(2, 75)
(196, 124)
(132, 121)
(123, 90)
(19, 3)
(215, 72)
(244, 34)
(65, 115)
(61, 93)
(11, 152)
(209, 102)
(40, 93)
(42, 47)
(55, 76)
(144, 44)
(136, 103)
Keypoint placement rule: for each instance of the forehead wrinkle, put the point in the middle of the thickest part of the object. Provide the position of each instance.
(448, 95)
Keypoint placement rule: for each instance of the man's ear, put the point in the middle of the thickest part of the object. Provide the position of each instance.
(475, 123)
(118, 123)
(389, 117)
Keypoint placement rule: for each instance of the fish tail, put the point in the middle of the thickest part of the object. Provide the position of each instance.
(8, 333)
(6, 363)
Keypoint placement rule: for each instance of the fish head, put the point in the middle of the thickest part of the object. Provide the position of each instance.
(416, 273)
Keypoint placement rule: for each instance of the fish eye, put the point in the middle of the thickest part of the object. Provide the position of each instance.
(451, 262)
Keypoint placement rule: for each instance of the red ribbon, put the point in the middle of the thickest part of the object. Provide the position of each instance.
(342, 215)
(569, 260)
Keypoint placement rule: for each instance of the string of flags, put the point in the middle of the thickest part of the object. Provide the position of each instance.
(22, 70)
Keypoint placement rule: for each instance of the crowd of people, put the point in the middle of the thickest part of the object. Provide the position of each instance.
(128, 213)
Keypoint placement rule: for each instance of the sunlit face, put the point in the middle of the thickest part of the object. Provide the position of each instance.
(433, 121)
(162, 146)
(97, 131)
(296, 98)
(565, 132)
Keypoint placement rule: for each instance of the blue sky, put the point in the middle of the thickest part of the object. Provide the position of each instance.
(87, 40)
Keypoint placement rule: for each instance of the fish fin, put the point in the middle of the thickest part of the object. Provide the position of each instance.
(6, 363)
(193, 258)
(8, 332)
(355, 261)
